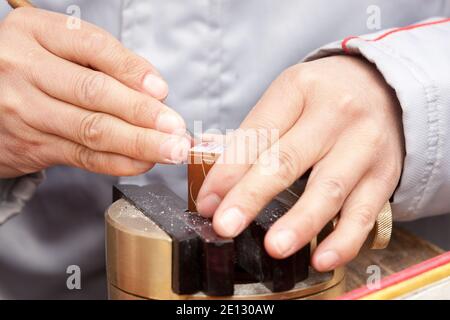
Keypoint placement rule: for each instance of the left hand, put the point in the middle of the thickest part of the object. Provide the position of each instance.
(338, 116)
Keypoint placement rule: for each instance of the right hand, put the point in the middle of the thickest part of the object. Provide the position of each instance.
(79, 98)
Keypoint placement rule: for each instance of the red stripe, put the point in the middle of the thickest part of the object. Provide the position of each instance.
(344, 43)
(411, 27)
(395, 278)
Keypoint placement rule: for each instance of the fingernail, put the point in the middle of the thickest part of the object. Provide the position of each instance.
(284, 241)
(176, 149)
(327, 260)
(208, 204)
(155, 86)
(232, 222)
(170, 122)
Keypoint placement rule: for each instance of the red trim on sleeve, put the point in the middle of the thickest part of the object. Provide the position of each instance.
(384, 35)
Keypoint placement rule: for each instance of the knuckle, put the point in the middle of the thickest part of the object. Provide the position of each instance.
(348, 104)
(374, 134)
(262, 125)
(140, 110)
(256, 140)
(388, 176)
(292, 74)
(264, 130)
(253, 141)
(132, 67)
(227, 177)
(90, 88)
(85, 158)
(92, 129)
(363, 216)
(253, 196)
(288, 165)
(140, 144)
(303, 75)
(311, 224)
(91, 42)
(293, 78)
(333, 189)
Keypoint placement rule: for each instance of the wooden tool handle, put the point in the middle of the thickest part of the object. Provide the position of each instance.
(19, 3)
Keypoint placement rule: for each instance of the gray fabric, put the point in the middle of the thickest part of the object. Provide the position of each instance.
(15, 192)
(218, 58)
(61, 225)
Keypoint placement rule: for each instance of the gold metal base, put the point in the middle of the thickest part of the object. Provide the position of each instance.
(115, 293)
(139, 263)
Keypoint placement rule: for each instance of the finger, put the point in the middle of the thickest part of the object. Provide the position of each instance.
(241, 151)
(34, 150)
(357, 219)
(103, 132)
(283, 95)
(275, 170)
(263, 126)
(65, 152)
(97, 91)
(214, 138)
(330, 182)
(93, 47)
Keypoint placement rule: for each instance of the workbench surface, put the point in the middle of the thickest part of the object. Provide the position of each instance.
(404, 250)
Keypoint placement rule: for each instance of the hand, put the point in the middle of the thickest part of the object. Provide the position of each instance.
(78, 97)
(338, 116)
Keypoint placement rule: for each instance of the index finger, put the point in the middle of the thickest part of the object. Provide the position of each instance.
(275, 113)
